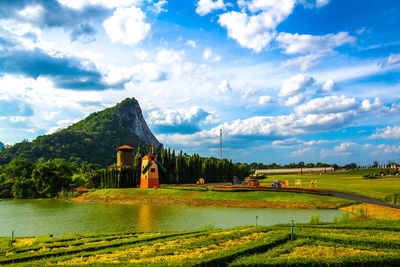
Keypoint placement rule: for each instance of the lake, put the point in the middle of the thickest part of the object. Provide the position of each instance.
(51, 216)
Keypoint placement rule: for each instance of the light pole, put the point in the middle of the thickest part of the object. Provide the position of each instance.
(292, 237)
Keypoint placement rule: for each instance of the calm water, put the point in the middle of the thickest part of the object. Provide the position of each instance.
(51, 216)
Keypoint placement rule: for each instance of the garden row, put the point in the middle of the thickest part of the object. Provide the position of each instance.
(369, 243)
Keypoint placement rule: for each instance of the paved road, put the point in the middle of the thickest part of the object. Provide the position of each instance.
(359, 198)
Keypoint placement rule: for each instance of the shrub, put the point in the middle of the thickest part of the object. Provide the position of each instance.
(314, 219)
(393, 198)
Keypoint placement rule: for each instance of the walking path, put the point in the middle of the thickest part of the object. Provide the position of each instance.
(359, 198)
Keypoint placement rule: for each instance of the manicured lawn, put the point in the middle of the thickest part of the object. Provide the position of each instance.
(355, 184)
(203, 194)
(374, 188)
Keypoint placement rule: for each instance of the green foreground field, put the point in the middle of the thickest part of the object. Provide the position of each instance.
(348, 243)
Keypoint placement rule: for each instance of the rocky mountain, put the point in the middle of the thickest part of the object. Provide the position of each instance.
(93, 139)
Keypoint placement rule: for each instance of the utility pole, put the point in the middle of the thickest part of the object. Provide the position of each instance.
(220, 140)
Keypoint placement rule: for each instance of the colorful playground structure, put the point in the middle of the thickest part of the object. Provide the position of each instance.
(254, 183)
(298, 183)
(200, 181)
(251, 182)
(313, 183)
(276, 184)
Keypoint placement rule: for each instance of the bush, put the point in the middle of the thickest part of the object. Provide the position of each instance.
(393, 198)
(314, 219)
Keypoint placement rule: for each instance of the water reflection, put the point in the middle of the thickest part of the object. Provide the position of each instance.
(145, 218)
(51, 216)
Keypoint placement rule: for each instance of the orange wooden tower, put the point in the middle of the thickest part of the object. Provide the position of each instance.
(149, 171)
(125, 156)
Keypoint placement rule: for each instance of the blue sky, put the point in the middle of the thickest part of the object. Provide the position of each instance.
(286, 80)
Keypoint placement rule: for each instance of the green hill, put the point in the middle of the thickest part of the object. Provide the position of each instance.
(93, 139)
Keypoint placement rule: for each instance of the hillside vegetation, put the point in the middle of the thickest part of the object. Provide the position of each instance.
(93, 139)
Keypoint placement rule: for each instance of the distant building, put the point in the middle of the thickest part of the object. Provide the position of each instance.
(295, 170)
(125, 156)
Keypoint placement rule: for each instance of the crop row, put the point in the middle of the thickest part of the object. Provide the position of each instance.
(46, 252)
(320, 247)
(242, 246)
(169, 251)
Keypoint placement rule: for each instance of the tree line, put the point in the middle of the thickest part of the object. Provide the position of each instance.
(23, 178)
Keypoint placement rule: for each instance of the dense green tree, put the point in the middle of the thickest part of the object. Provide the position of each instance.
(52, 176)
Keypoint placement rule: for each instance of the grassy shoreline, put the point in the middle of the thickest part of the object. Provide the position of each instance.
(209, 198)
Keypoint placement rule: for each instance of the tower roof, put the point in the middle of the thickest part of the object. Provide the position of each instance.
(125, 147)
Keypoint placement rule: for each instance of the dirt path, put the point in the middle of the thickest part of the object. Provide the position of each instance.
(359, 198)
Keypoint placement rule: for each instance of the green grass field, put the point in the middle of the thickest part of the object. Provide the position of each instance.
(342, 182)
(167, 192)
(347, 243)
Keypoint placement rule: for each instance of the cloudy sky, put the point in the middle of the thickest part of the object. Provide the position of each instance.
(285, 80)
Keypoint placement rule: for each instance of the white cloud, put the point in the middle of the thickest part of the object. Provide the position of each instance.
(61, 125)
(261, 126)
(249, 31)
(290, 142)
(168, 56)
(223, 88)
(387, 133)
(256, 31)
(312, 47)
(79, 4)
(207, 6)
(328, 104)
(127, 26)
(368, 106)
(265, 99)
(278, 10)
(210, 55)
(295, 100)
(351, 148)
(32, 13)
(301, 152)
(191, 43)
(49, 104)
(322, 122)
(346, 148)
(314, 3)
(391, 60)
(148, 71)
(321, 3)
(287, 142)
(248, 92)
(305, 43)
(316, 115)
(363, 30)
(386, 149)
(328, 86)
(296, 84)
(167, 120)
(159, 7)
(304, 62)
(254, 27)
